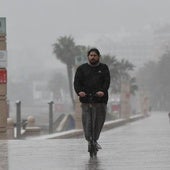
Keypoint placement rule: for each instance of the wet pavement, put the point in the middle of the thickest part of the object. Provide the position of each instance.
(140, 145)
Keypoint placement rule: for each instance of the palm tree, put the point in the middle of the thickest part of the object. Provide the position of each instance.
(119, 70)
(112, 63)
(66, 51)
(124, 67)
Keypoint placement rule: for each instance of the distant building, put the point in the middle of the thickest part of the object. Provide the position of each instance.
(41, 93)
(161, 40)
(136, 49)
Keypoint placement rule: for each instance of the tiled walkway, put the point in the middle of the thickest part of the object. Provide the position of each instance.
(141, 145)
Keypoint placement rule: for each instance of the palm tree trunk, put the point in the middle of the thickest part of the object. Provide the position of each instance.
(70, 76)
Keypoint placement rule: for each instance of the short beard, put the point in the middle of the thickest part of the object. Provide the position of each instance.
(94, 62)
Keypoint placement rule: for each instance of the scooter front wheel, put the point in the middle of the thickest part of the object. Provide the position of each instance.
(92, 150)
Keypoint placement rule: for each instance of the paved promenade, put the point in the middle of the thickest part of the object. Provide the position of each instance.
(140, 145)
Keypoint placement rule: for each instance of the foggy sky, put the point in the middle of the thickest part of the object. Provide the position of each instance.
(34, 25)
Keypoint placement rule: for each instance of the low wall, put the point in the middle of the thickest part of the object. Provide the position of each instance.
(79, 132)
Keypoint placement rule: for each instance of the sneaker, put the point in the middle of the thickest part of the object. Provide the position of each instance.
(98, 146)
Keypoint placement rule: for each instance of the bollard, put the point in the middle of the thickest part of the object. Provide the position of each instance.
(51, 116)
(10, 128)
(18, 119)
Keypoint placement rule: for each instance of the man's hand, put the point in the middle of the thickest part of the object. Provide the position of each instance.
(82, 94)
(100, 93)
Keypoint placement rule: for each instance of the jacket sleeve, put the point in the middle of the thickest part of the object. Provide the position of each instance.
(78, 86)
(106, 83)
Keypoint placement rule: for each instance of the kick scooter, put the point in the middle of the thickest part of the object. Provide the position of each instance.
(92, 146)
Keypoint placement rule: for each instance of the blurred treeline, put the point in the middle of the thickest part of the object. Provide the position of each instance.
(154, 77)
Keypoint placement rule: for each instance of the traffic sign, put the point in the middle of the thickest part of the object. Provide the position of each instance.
(3, 59)
(2, 25)
(3, 76)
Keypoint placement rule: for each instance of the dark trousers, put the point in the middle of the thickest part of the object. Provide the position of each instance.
(99, 113)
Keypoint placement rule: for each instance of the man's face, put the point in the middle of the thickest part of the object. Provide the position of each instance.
(93, 58)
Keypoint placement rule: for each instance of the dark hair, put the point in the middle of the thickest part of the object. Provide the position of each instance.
(93, 50)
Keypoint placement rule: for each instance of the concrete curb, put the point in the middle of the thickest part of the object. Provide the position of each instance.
(79, 132)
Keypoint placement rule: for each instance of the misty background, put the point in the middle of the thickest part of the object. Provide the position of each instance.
(131, 29)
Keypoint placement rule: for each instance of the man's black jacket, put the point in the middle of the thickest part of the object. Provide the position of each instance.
(91, 79)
